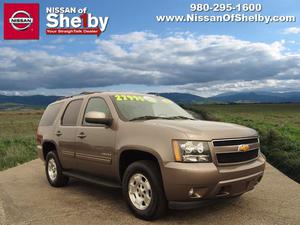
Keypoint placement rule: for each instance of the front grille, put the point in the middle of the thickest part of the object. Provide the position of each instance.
(235, 142)
(235, 157)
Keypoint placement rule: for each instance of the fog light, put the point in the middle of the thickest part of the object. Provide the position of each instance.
(195, 193)
(191, 191)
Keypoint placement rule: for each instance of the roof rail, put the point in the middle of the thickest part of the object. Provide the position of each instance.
(89, 92)
(82, 93)
(154, 93)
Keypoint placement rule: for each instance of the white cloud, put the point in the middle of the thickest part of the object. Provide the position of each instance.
(175, 60)
(292, 30)
(49, 47)
(61, 40)
(214, 88)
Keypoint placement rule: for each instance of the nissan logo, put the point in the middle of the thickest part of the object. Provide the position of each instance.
(21, 20)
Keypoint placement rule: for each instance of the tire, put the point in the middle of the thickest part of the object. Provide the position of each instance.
(144, 173)
(54, 171)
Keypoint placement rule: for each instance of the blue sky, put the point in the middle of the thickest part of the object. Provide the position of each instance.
(199, 58)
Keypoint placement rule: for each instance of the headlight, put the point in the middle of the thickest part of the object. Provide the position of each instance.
(191, 151)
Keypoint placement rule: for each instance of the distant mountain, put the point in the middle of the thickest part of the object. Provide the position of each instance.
(43, 100)
(236, 97)
(182, 97)
(33, 100)
(257, 97)
(230, 97)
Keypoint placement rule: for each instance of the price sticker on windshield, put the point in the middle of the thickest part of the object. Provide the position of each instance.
(129, 98)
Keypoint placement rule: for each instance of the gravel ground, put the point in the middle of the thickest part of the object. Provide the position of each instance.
(26, 198)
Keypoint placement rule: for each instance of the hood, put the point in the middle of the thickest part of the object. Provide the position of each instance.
(205, 130)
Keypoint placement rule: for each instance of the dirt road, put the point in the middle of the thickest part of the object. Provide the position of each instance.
(26, 198)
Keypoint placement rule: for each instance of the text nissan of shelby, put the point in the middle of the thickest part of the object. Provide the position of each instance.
(73, 20)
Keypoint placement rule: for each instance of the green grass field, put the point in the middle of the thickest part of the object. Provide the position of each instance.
(17, 136)
(278, 125)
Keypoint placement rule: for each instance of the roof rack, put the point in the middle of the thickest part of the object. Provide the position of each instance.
(82, 93)
(89, 92)
(154, 93)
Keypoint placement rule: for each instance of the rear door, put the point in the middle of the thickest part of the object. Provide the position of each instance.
(66, 133)
(96, 142)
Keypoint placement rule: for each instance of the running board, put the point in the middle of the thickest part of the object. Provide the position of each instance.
(92, 179)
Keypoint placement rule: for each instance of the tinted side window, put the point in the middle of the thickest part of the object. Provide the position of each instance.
(71, 113)
(50, 114)
(96, 105)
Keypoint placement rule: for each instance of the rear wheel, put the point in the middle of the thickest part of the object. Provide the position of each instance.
(54, 171)
(143, 191)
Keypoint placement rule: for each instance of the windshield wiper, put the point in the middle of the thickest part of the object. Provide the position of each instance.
(147, 118)
(179, 117)
(160, 117)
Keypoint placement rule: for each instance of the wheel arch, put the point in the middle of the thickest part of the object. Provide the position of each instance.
(48, 146)
(130, 154)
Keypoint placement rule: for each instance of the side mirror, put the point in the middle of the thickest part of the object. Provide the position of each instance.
(97, 118)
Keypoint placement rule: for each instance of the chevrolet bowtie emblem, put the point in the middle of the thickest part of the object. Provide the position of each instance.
(243, 148)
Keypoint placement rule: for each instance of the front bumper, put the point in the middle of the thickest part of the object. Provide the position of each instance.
(209, 181)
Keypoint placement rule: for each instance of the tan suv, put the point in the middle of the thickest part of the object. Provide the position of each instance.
(150, 147)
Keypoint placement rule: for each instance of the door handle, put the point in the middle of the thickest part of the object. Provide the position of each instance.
(58, 133)
(81, 135)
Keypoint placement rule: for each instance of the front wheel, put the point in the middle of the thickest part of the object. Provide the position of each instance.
(54, 171)
(143, 190)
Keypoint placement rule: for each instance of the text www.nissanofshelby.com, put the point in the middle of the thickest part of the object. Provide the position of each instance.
(226, 18)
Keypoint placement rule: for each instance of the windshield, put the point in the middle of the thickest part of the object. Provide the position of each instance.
(143, 107)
